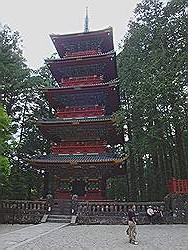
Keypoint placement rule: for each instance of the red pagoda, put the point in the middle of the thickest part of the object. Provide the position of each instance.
(83, 128)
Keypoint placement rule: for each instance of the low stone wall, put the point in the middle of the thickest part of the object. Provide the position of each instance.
(113, 208)
(119, 220)
(22, 212)
(175, 211)
(177, 204)
(101, 220)
(106, 212)
(20, 217)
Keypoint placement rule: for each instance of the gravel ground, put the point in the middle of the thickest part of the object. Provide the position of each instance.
(7, 228)
(60, 236)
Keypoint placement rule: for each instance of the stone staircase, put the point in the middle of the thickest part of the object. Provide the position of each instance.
(61, 212)
(59, 218)
(61, 207)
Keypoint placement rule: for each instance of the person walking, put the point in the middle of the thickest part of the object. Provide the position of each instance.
(49, 201)
(132, 230)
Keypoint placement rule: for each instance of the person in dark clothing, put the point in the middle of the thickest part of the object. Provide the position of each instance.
(49, 201)
(74, 204)
(157, 215)
(131, 231)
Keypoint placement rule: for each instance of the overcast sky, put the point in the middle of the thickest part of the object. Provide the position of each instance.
(36, 19)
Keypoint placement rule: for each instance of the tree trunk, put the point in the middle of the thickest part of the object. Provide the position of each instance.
(162, 171)
(142, 186)
(133, 181)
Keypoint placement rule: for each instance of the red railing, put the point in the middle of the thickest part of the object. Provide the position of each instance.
(82, 53)
(80, 81)
(70, 112)
(78, 149)
(178, 186)
(82, 143)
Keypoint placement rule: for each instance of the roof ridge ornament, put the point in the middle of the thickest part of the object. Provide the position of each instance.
(86, 22)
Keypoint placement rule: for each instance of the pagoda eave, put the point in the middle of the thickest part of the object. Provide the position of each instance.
(46, 164)
(76, 164)
(80, 129)
(75, 159)
(72, 35)
(84, 66)
(89, 58)
(76, 121)
(102, 39)
(105, 85)
(101, 95)
(82, 169)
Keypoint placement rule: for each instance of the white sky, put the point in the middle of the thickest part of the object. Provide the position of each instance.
(36, 19)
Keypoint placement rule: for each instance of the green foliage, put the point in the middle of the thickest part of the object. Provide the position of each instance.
(4, 129)
(4, 137)
(24, 102)
(13, 71)
(117, 189)
(152, 69)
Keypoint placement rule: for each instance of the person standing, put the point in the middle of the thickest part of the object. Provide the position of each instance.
(150, 214)
(74, 204)
(132, 230)
(49, 201)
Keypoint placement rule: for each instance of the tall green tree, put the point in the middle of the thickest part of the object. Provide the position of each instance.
(23, 100)
(152, 70)
(4, 162)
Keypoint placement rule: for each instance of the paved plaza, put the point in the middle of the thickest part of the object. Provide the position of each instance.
(61, 236)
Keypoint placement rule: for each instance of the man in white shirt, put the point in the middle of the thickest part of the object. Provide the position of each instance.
(150, 214)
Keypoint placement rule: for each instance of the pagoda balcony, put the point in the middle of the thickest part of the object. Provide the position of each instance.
(82, 53)
(70, 112)
(80, 147)
(82, 81)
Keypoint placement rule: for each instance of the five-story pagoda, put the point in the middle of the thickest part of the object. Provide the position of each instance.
(83, 128)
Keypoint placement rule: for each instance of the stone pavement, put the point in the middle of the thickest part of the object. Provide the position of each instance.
(97, 237)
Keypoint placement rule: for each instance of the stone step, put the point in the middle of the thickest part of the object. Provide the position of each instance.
(59, 211)
(61, 207)
(56, 212)
(56, 209)
(51, 220)
(57, 218)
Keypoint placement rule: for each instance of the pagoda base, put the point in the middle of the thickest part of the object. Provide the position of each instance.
(88, 196)
(85, 189)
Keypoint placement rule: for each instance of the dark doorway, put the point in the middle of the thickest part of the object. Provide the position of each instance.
(78, 187)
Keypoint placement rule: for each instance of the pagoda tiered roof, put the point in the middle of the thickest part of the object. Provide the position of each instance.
(102, 95)
(101, 41)
(71, 160)
(76, 120)
(80, 128)
(78, 158)
(74, 165)
(104, 65)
